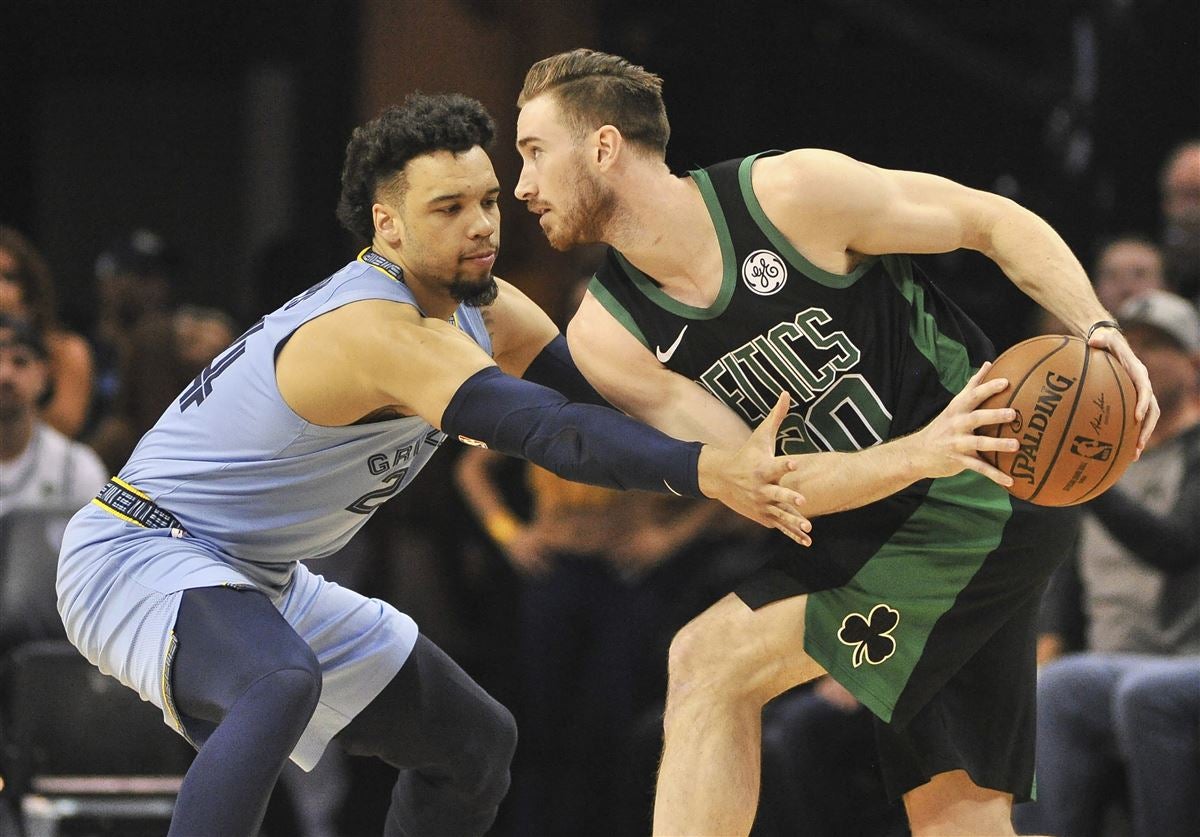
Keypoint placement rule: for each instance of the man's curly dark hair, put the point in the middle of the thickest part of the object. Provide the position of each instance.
(379, 150)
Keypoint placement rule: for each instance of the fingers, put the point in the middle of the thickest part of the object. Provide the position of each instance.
(791, 524)
(979, 376)
(976, 395)
(995, 443)
(982, 418)
(770, 425)
(784, 497)
(994, 474)
(1148, 424)
(777, 467)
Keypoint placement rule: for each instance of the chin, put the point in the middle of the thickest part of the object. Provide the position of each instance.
(560, 242)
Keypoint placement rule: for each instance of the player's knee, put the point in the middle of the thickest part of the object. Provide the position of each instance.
(487, 752)
(705, 660)
(295, 691)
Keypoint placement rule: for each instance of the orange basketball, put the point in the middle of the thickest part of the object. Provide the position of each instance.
(1074, 420)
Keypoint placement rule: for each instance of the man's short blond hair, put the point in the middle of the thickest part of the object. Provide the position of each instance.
(594, 89)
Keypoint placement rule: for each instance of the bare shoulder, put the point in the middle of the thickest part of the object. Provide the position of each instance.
(819, 199)
(510, 301)
(519, 328)
(813, 180)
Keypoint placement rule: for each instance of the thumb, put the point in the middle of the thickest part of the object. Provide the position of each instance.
(767, 432)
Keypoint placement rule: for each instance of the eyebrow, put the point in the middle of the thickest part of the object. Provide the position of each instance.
(457, 196)
(524, 141)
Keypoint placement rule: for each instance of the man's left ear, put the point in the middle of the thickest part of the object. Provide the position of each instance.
(608, 146)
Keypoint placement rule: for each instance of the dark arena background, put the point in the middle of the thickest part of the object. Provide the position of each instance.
(220, 126)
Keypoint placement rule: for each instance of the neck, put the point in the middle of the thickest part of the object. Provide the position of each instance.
(15, 436)
(434, 300)
(662, 225)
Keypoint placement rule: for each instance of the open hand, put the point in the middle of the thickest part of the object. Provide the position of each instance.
(949, 444)
(747, 480)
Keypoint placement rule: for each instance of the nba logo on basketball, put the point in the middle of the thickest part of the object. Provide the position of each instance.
(1091, 448)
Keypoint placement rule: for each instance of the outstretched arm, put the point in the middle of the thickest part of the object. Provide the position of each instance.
(625, 372)
(835, 208)
(377, 355)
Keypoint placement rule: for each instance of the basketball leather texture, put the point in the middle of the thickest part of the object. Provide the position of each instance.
(1075, 420)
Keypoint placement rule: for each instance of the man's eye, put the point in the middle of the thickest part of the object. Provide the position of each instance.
(449, 210)
(488, 203)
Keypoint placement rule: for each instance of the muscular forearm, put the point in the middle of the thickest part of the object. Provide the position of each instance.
(1041, 264)
(833, 482)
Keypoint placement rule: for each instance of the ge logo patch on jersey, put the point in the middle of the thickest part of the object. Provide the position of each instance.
(764, 272)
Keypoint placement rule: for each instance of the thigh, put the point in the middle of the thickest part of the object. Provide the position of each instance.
(359, 642)
(983, 720)
(226, 639)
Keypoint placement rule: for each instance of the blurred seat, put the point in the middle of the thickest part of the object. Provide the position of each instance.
(77, 744)
(29, 542)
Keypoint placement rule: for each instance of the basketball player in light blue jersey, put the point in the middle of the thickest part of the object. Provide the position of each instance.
(182, 578)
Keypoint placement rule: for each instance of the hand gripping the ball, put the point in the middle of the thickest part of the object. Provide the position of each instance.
(1146, 411)
(949, 444)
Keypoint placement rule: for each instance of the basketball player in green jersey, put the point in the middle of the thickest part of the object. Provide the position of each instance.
(786, 271)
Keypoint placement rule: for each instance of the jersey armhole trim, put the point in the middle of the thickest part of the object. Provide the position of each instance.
(785, 247)
(604, 296)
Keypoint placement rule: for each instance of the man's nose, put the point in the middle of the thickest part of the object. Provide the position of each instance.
(524, 190)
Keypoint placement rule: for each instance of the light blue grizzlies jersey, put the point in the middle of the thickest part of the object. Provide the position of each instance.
(245, 474)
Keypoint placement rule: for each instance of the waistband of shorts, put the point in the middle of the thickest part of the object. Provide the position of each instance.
(121, 499)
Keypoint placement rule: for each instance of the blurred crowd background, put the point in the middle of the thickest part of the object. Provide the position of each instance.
(170, 173)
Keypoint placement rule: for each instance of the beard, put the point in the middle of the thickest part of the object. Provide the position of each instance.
(585, 221)
(473, 293)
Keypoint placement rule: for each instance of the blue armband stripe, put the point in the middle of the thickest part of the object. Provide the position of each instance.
(579, 442)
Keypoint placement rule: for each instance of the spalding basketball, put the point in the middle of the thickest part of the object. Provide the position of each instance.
(1074, 421)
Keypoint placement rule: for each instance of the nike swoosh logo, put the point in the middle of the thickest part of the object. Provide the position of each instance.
(662, 356)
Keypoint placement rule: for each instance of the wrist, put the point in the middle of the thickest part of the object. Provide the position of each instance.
(912, 454)
(708, 467)
(1099, 324)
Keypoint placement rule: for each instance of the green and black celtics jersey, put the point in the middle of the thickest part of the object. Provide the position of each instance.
(866, 356)
(904, 592)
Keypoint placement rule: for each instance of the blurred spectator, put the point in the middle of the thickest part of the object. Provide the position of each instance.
(585, 669)
(27, 292)
(1131, 700)
(1179, 190)
(38, 465)
(1128, 266)
(133, 279)
(41, 471)
(165, 351)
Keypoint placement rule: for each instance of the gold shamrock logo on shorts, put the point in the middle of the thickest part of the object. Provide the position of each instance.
(870, 636)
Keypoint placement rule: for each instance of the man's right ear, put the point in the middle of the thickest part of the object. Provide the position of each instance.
(387, 226)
